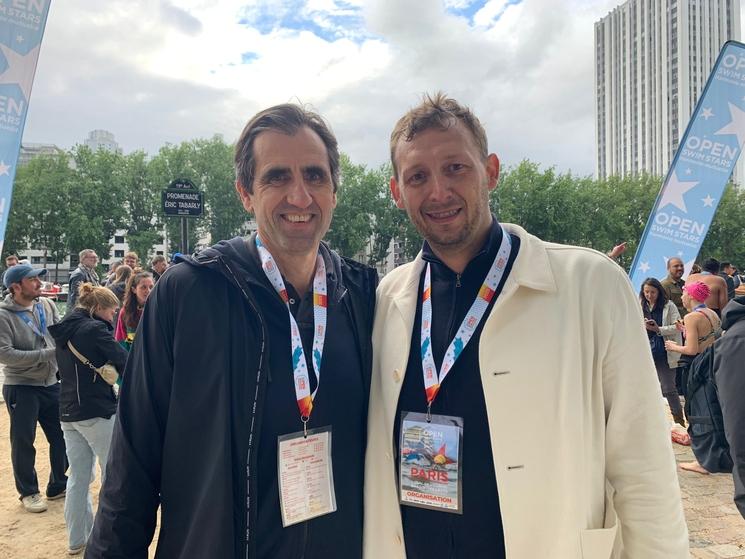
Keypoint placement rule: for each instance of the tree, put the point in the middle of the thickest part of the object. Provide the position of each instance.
(725, 239)
(141, 199)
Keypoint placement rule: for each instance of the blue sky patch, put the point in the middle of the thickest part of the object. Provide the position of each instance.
(469, 10)
(248, 57)
(344, 21)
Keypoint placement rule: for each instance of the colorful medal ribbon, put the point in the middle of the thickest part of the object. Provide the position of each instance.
(432, 379)
(320, 304)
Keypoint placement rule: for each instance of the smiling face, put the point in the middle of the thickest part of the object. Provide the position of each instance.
(292, 194)
(443, 183)
(675, 268)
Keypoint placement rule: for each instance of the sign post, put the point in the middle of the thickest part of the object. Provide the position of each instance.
(182, 199)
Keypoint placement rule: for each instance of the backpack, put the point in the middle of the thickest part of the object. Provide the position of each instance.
(704, 414)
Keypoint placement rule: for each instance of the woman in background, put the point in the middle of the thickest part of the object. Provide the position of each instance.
(87, 402)
(660, 318)
(138, 290)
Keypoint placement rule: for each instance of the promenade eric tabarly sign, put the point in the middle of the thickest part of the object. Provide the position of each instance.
(182, 199)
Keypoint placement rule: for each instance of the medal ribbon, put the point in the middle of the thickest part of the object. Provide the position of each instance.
(42, 320)
(432, 379)
(320, 304)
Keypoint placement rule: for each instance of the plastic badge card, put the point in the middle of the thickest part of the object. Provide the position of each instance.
(430, 462)
(306, 479)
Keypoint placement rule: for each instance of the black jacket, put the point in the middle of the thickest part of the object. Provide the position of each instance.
(190, 411)
(729, 373)
(84, 394)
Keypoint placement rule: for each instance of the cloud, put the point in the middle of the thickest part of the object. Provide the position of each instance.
(173, 70)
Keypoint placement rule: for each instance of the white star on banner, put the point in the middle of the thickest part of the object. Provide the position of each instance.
(19, 70)
(708, 201)
(680, 253)
(688, 171)
(707, 114)
(644, 267)
(736, 126)
(672, 193)
(4, 168)
(19, 38)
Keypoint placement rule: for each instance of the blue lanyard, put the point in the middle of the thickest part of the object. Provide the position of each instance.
(42, 320)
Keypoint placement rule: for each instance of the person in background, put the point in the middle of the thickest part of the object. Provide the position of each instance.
(30, 389)
(717, 285)
(10, 261)
(702, 327)
(138, 290)
(727, 273)
(84, 273)
(132, 260)
(158, 265)
(87, 402)
(112, 273)
(674, 282)
(119, 285)
(660, 320)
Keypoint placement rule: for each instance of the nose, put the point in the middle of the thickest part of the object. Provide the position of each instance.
(440, 188)
(299, 195)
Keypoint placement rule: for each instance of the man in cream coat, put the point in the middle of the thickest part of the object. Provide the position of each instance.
(515, 411)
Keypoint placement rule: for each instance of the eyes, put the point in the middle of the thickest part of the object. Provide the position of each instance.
(419, 176)
(311, 175)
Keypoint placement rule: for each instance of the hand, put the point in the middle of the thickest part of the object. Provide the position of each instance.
(617, 250)
(679, 325)
(670, 346)
(651, 325)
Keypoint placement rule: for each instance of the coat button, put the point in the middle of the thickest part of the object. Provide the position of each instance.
(397, 375)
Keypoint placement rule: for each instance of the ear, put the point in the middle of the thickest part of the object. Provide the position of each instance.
(396, 194)
(492, 170)
(244, 196)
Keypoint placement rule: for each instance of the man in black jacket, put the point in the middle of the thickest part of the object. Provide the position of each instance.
(233, 379)
(729, 374)
(84, 273)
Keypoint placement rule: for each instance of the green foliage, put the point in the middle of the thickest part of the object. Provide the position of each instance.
(726, 238)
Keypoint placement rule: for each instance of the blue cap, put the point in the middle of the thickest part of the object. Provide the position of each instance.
(16, 273)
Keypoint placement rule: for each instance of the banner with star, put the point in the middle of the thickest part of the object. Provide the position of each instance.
(700, 170)
(21, 29)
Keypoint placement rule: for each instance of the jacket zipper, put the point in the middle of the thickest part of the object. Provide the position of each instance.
(255, 403)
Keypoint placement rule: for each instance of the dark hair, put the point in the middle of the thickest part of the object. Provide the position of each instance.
(130, 313)
(288, 119)
(724, 265)
(441, 112)
(661, 295)
(711, 265)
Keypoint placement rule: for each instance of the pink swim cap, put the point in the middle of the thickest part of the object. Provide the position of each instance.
(698, 290)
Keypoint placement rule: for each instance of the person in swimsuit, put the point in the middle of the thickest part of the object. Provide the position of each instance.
(702, 327)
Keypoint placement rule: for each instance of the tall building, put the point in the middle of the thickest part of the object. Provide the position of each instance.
(30, 151)
(652, 60)
(102, 139)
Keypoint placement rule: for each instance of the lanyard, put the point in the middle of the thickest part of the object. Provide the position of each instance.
(432, 379)
(299, 365)
(42, 320)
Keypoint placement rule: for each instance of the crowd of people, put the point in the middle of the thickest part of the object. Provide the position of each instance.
(64, 374)
(483, 400)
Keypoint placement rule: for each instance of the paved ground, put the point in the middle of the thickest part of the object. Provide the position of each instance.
(716, 529)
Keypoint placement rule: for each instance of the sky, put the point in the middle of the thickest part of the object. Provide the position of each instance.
(166, 71)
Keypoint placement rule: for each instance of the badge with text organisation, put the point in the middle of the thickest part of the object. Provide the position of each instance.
(430, 461)
(306, 479)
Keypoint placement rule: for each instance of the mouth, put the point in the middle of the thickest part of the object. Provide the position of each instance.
(443, 216)
(297, 218)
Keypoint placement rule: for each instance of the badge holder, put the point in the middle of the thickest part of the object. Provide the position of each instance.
(430, 462)
(305, 474)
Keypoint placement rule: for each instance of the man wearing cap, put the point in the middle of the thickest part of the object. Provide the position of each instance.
(31, 389)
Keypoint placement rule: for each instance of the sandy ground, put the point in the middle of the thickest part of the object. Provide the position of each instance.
(25, 535)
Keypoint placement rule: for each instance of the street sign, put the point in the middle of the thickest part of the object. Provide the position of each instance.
(182, 199)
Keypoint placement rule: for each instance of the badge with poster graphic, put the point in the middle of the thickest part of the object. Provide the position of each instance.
(306, 478)
(430, 461)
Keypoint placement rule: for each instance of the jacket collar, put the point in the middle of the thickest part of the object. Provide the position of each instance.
(532, 269)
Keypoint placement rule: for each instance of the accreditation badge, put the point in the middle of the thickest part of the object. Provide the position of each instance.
(430, 462)
(306, 478)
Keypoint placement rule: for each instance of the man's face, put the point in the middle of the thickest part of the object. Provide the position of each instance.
(90, 260)
(675, 268)
(729, 270)
(130, 261)
(160, 267)
(28, 288)
(443, 184)
(293, 195)
(11, 261)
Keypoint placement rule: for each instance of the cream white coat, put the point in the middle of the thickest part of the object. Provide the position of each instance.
(577, 423)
